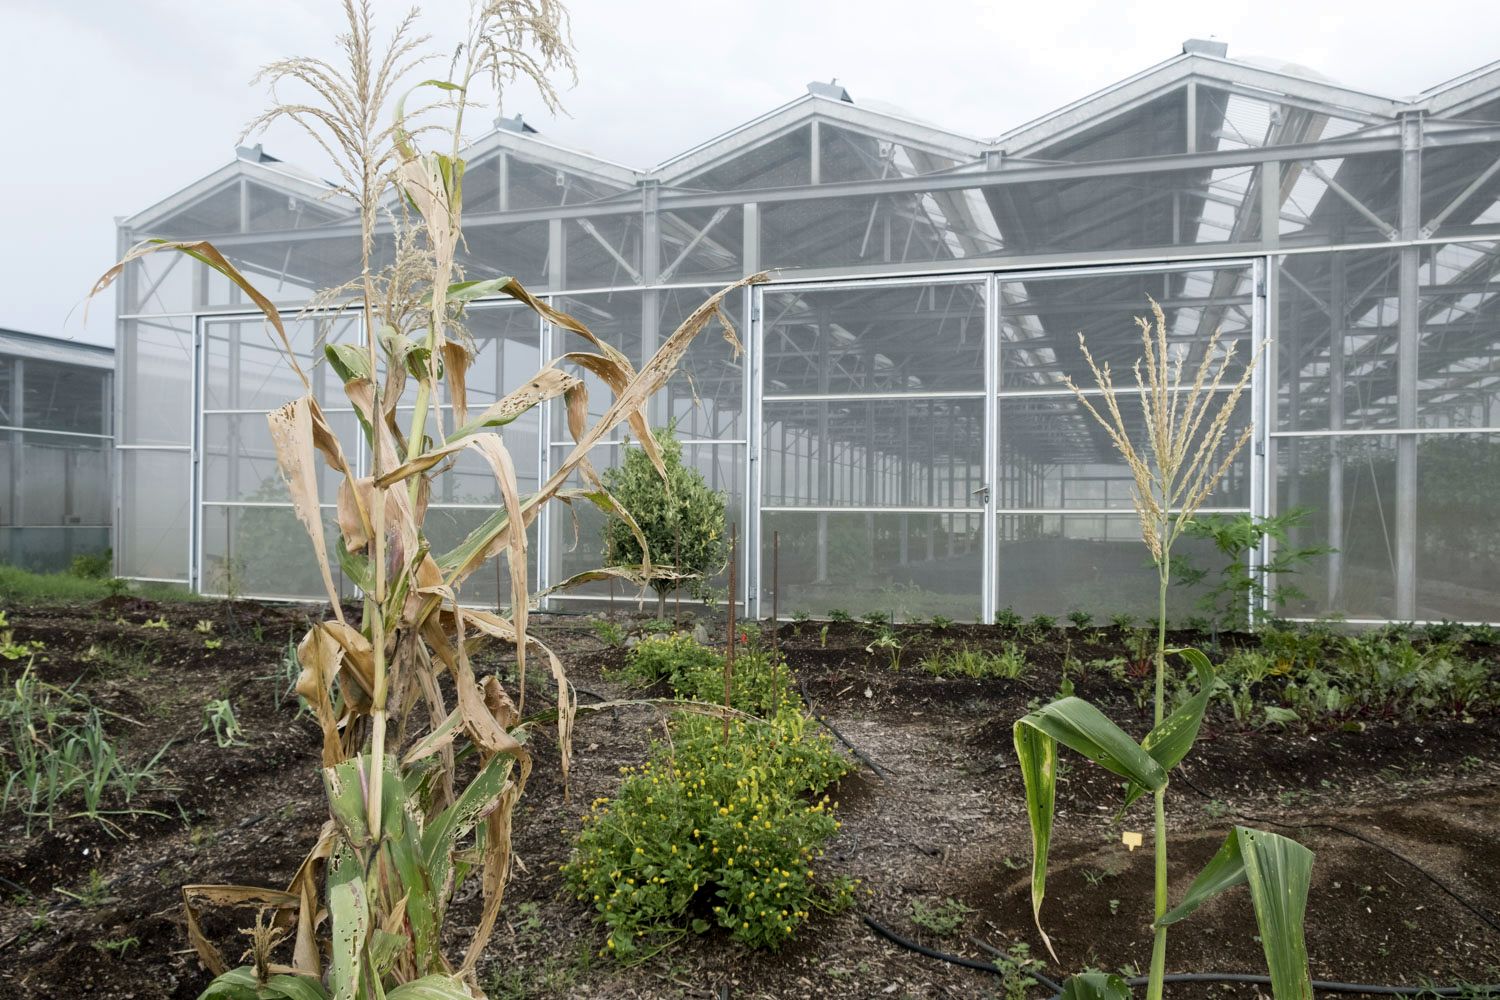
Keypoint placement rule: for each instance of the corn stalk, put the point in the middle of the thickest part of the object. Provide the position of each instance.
(1174, 470)
(364, 913)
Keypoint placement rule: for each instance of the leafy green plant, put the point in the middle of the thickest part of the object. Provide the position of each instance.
(609, 632)
(942, 623)
(801, 617)
(840, 616)
(1017, 969)
(709, 833)
(92, 565)
(672, 512)
(1041, 624)
(888, 644)
(1080, 618)
(218, 715)
(1008, 618)
(1122, 620)
(1174, 470)
(1242, 593)
(942, 917)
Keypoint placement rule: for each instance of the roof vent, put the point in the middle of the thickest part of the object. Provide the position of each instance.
(254, 154)
(516, 124)
(1205, 47)
(830, 90)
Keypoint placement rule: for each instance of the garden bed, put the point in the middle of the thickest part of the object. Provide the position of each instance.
(86, 909)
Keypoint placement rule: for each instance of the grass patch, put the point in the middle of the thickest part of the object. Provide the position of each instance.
(22, 587)
(963, 661)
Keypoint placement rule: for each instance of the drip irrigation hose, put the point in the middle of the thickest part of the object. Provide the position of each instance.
(1322, 985)
(863, 758)
(1472, 908)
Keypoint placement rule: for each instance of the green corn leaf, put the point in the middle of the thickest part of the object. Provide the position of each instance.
(349, 908)
(350, 362)
(241, 984)
(1095, 986)
(1279, 873)
(459, 819)
(1169, 742)
(1080, 726)
(431, 988)
(356, 566)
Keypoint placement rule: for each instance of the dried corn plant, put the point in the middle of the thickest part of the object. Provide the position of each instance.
(421, 791)
(1184, 451)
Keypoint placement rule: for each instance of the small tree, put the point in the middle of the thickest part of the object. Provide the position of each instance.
(681, 517)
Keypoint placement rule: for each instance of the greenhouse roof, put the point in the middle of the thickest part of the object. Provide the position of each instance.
(17, 343)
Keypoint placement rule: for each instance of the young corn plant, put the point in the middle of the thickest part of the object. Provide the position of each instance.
(1187, 449)
(364, 916)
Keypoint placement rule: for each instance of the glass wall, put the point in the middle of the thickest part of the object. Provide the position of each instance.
(56, 420)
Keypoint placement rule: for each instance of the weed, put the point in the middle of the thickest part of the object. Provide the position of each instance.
(943, 917)
(157, 623)
(117, 946)
(942, 623)
(608, 632)
(93, 894)
(1008, 618)
(218, 715)
(840, 615)
(1080, 618)
(964, 661)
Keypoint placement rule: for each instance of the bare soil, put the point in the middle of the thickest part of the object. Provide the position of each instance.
(1392, 810)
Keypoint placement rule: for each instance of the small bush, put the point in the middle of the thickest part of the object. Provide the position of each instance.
(707, 834)
(762, 681)
(93, 565)
(671, 658)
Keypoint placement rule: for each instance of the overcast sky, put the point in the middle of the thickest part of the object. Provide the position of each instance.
(116, 104)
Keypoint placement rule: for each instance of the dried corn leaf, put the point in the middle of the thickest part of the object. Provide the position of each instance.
(292, 435)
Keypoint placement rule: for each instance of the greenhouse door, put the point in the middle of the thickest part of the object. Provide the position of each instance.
(1066, 536)
(918, 451)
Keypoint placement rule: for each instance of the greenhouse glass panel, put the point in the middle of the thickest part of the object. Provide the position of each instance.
(1351, 199)
(155, 518)
(1458, 549)
(1461, 190)
(245, 367)
(1345, 381)
(899, 452)
(784, 161)
(1056, 563)
(488, 586)
(507, 344)
(615, 318)
(1458, 355)
(868, 339)
(1349, 486)
(705, 397)
(155, 366)
(64, 397)
(264, 551)
(895, 228)
(519, 250)
(702, 243)
(909, 565)
(602, 251)
(1041, 318)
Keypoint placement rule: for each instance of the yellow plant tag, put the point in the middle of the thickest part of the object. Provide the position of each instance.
(1131, 839)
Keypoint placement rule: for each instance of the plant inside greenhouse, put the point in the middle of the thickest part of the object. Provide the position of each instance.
(950, 534)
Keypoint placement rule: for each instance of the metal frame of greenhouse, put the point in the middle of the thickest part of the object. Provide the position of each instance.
(899, 419)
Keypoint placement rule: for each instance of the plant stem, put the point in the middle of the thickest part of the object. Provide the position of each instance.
(1159, 942)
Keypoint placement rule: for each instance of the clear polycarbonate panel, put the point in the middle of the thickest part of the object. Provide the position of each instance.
(489, 585)
(1041, 319)
(1156, 128)
(846, 154)
(1458, 537)
(602, 251)
(1335, 340)
(213, 213)
(702, 243)
(1057, 563)
(62, 481)
(782, 161)
(239, 460)
(1351, 199)
(577, 531)
(268, 210)
(62, 397)
(1461, 190)
(1348, 486)
(246, 368)
(615, 318)
(705, 397)
(1458, 355)
(51, 549)
(507, 343)
(151, 537)
(909, 565)
(874, 453)
(1055, 454)
(289, 270)
(537, 184)
(265, 552)
(874, 338)
(467, 477)
(154, 360)
(161, 282)
(512, 249)
(853, 231)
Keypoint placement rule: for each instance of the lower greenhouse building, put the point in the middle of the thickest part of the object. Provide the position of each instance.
(899, 425)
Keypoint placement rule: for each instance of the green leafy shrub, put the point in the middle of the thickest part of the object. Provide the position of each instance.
(669, 658)
(1008, 618)
(92, 565)
(762, 680)
(681, 517)
(712, 834)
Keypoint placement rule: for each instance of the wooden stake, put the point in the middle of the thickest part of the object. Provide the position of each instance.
(775, 623)
(729, 649)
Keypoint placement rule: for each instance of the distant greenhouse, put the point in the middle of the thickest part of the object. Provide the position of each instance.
(55, 450)
(899, 419)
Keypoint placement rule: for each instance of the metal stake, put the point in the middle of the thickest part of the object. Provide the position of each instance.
(729, 649)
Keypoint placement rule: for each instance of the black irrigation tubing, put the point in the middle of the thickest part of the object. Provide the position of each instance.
(1323, 985)
(1490, 921)
(864, 758)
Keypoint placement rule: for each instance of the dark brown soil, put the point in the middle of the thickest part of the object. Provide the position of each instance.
(948, 823)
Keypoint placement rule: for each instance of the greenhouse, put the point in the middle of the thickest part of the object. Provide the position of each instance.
(899, 429)
(55, 455)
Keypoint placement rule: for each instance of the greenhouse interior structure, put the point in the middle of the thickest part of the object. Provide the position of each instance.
(55, 450)
(898, 430)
